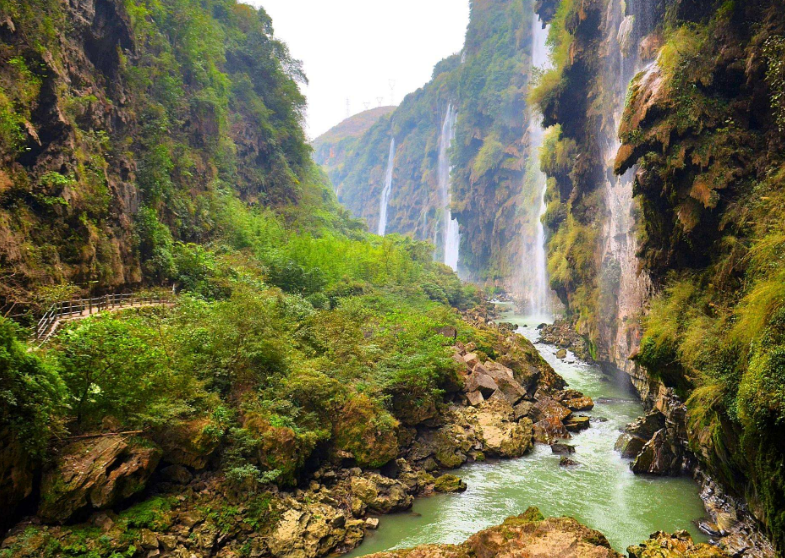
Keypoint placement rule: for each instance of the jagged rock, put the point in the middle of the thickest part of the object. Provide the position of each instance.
(475, 398)
(308, 532)
(95, 473)
(381, 494)
(576, 424)
(657, 457)
(644, 427)
(628, 445)
(550, 429)
(480, 380)
(523, 409)
(583, 403)
(677, 545)
(547, 408)
(561, 354)
(502, 436)
(471, 360)
(527, 535)
(449, 483)
(567, 462)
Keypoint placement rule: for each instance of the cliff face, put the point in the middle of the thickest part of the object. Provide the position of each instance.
(486, 86)
(684, 277)
(120, 121)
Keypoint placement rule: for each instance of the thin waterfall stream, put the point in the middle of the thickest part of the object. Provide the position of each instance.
(451, 240)
(600, 492)
(387, 190)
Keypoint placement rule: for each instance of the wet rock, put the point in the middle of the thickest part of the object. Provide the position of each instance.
(567, 462)
(95, 473)
(562, 449)
(657, 457)
(677, 545)
(576, 424)
(449, 483)
(583, 403)
(561, 354)
(644, 427)
(549, 430)
(547, 408)
(629, 446)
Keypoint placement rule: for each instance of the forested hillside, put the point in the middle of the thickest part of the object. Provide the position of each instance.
(486, 86)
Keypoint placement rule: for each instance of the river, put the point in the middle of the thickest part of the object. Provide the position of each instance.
(601, 492)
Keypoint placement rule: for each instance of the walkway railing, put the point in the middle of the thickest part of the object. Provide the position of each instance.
(83, 307)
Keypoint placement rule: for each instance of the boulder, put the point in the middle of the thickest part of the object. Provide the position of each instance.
(449, 483)
(527, 535)
(523, 409)
(475, 398)
(471, 360)
(548, 430)
(677, 545)
(481, 381)
(176, 474)
(95, 473)
(657, 457)
(576, 424)
(381, 494)
(511, 390)
(629, 446)
(309, 531)
(644, 427)
(547, 408)
(500, 434)
(567, 462)
(561, 354)
(582, 403)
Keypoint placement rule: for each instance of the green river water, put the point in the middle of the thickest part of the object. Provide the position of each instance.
(602, 492)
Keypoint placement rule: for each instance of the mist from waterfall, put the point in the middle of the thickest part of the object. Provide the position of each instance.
(388, 178)
(535, 270)
(451, 236)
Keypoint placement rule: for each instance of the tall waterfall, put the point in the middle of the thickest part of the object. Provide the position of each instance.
(388, 178)
(622, 287)
(535, 263)
(451, 240)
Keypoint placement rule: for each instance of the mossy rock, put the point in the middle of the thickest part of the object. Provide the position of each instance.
(449, 483)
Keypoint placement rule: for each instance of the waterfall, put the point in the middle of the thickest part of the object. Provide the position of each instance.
(451, 236)
(535, 262)
(388, 178)
(622, 287)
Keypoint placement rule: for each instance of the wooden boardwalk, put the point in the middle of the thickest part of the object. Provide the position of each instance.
(81, 308)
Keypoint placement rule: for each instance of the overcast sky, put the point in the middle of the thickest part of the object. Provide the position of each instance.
(353, 48)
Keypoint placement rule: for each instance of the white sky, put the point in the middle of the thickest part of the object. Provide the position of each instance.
(353, 48)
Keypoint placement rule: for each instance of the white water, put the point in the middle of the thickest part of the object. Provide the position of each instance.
(535, 270)
(387, 190)
(451, 240)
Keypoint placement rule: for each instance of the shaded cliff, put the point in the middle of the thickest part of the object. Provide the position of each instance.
(121, 123)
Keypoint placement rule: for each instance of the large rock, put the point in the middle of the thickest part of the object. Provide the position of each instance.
(677, 545)
(657, 457)
(629, 446)
(381, 494)
(449, 483)
(526, 536)
(501, 435)
(479, 380)
(190, 444)
(313, 530)
(95, 473)
(549, 408)
(549, 430)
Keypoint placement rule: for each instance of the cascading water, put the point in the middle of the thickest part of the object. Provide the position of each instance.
(535, 264)
(388, 178)
(451, 236)
(623, 287)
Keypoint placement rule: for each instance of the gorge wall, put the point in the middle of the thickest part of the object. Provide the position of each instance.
(119, 130)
